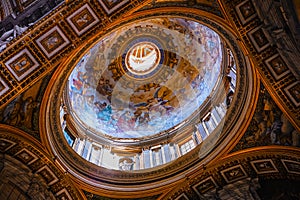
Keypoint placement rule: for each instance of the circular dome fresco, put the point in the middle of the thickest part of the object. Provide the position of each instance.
(148, 102)
(145, 79)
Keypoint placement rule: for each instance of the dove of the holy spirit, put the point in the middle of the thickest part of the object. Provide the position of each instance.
(143, 57)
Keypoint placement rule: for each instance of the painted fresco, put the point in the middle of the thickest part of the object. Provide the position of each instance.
(110, 101)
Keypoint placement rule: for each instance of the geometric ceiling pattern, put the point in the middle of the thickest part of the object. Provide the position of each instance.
(35, 173)
(43, 46)
(270, 44)
(240, 176)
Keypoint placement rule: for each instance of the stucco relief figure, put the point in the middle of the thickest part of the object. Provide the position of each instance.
(21, 65)
(126, 164)
(82, 20)
(278, 67)
(229, 98)
(247, 10)
(51, 42)
(226, 83)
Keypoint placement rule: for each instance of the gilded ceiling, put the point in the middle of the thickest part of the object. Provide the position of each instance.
(261, 161)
